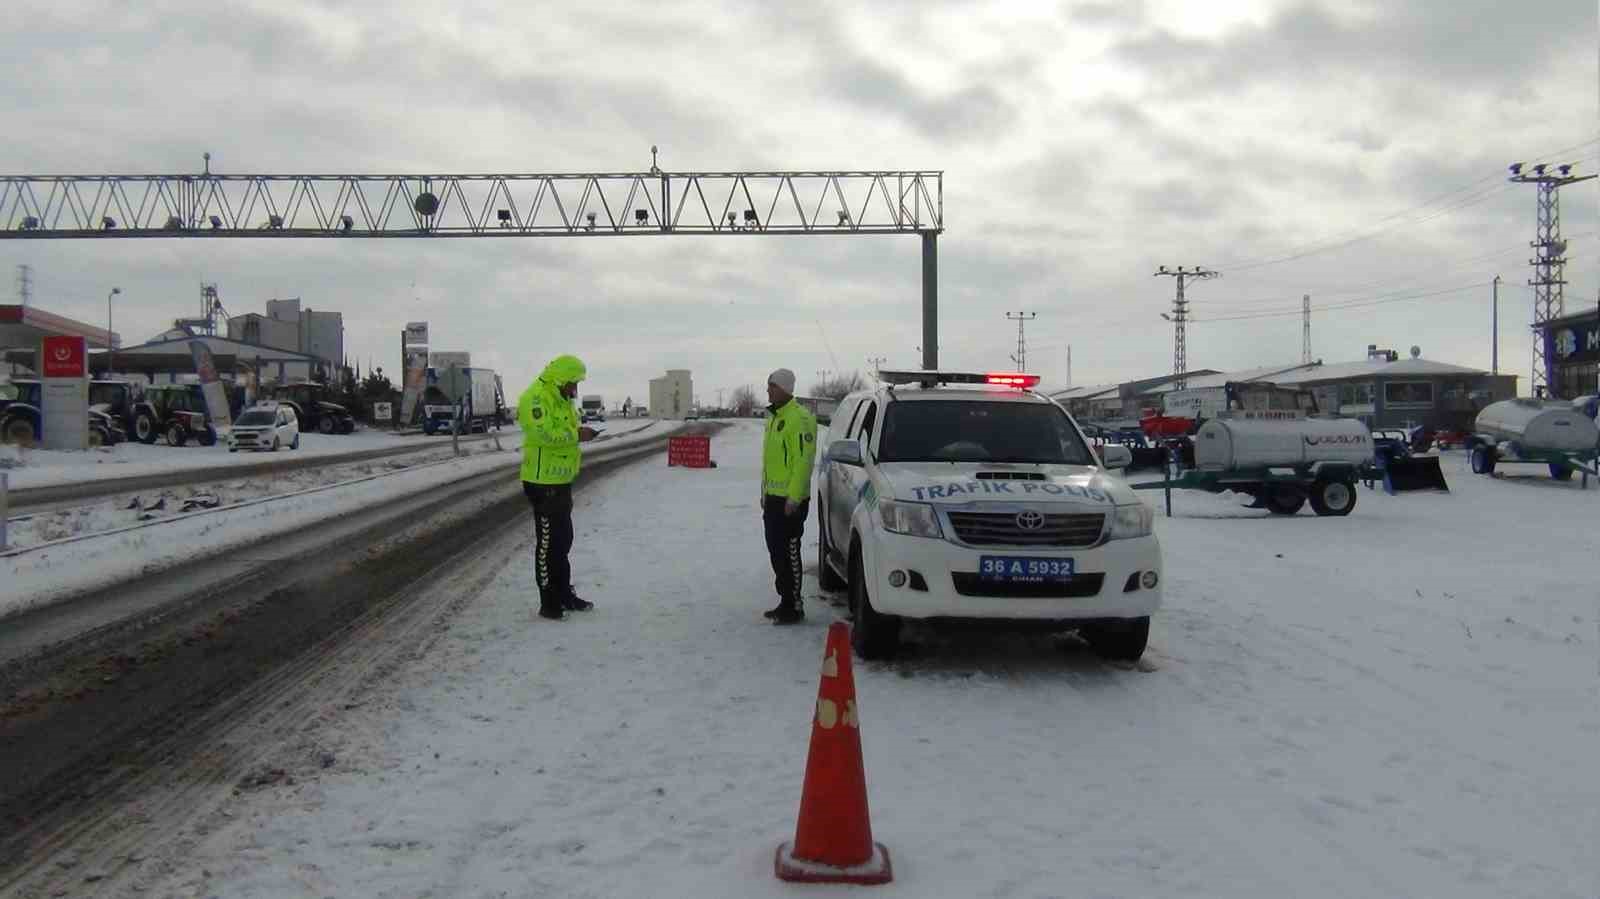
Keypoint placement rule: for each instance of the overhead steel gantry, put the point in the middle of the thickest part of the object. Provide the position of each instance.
(343, 207)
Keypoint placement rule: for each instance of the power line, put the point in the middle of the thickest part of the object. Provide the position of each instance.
(1473, 194)
(1359, 304)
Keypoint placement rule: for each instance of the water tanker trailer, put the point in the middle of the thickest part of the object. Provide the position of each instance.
(1280, 463)
(1553, 433)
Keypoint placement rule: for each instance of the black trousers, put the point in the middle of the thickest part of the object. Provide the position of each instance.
(552, 540)
(783, 545)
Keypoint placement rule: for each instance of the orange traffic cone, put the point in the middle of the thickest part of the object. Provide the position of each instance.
(833, 839)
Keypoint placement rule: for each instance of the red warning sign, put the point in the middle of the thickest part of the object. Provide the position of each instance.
(693, 451)
(63, 357)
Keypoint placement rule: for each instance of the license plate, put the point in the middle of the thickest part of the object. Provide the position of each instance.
(1025, 570)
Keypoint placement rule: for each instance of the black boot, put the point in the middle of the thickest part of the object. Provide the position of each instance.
(576, 603)
(553, 613)
(789, 614)
(773, 612)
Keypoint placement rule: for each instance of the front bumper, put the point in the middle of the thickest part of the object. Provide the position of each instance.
(947, 569)
(250, 440)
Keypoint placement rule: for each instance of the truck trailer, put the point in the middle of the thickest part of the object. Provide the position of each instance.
(474, 395)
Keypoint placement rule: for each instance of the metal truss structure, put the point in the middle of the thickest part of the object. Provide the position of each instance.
(209, 205)
(350, 206)
(1549, 265)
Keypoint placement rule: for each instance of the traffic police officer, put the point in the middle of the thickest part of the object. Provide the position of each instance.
(787, 453)
(550, 462)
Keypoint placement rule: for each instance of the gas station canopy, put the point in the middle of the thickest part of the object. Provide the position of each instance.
(24, 327)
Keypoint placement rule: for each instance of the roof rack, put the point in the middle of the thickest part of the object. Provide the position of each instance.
(934, 378)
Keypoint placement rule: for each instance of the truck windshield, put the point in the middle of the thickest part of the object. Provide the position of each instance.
(936, 431)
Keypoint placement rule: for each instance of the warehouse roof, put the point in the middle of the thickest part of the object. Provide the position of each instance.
(1218, 379)
(1085, 392)
(1370, 368)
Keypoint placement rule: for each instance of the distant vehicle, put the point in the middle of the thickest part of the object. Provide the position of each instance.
(314, 408)
(475, 393)
(22, 419)
(265, 427)
(177, 411)
(593, 408)
(955, 496)
(1201, 404)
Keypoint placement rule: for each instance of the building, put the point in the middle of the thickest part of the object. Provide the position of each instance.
(287, 326)
(1383, 390)
(1386, 391)
(166, 359)
(1572, 345)
(672, 394)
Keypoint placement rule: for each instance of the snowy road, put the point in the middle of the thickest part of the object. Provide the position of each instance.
(1398, 703)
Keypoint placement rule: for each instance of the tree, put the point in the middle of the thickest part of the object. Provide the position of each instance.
(744, 401)
(837, 387)
(376, 385)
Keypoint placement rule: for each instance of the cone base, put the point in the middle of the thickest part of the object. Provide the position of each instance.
(876, 869)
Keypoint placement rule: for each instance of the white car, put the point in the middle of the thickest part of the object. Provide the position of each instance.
(265, 427)
(956, 496)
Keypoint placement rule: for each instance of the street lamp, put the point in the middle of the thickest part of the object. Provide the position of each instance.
(111, 353)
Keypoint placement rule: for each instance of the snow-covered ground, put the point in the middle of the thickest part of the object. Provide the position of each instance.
(65, 553)
(1398, 703)
(44, 468)
(133, 507)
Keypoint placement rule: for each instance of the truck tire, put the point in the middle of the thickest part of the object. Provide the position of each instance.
(347, 427)
(325, 425)
(1285, 499)
(145, 429)
(827, 578)
(208, 437)
(873, 636)
(1121, 640)
(20, 431)
(177, 435)
(1333, 497)
(1482, 459)
(1560, 472)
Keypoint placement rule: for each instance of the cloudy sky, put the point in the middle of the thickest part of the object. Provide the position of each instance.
(1355, 151)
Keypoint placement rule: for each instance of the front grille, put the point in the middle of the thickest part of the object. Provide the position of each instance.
(1002, 529)
(969, 584)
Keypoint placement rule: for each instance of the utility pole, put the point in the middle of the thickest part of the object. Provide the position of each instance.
(1021, 318)
(875, 363)
(1305, 329)
(1549, 262)
(1494, 330)
(1180, 318)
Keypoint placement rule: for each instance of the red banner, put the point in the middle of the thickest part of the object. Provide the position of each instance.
(63, 357)
(689, 452)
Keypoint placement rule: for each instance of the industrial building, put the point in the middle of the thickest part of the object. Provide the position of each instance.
(672, 394)
(1383, 390)
(1572, 344)
(287, 326)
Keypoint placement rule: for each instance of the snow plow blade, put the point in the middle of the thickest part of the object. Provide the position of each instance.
(1413, 473)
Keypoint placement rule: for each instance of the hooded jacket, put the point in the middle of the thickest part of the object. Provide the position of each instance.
(550, 453)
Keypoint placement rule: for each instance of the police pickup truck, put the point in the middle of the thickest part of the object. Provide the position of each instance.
(954, 497)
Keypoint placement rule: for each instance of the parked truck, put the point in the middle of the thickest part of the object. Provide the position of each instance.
(476, 394)
(593, 408)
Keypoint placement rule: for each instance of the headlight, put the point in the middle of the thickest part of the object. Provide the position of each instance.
(1132, 521)
(912, 519)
